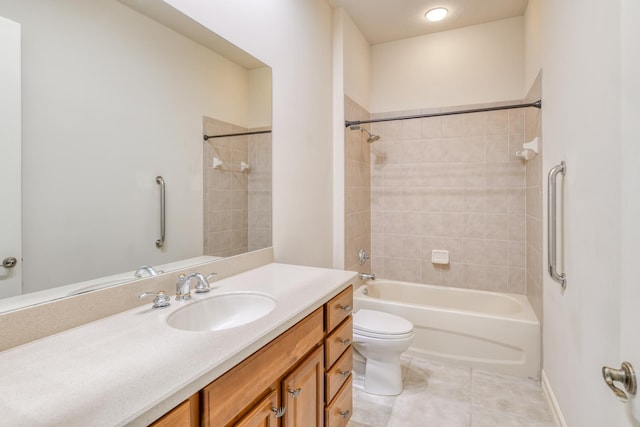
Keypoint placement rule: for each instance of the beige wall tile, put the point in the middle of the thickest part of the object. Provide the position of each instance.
(430, 273)
(411, 247)
(411, 270)
(497, 122)
(452, 183)
(473, 276)
(496, 200)
(497, 279)
(451, 126)
(473, 251)
(431, 127)
(473, 225)
(451, 275)
(497, 253)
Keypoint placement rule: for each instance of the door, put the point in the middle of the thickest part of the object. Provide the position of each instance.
(630, 206)
(10, 160)
(303, 392)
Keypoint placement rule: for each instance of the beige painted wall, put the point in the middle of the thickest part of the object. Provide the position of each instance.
(295, 38)
(126, 89)
(357, 64)
(478, 64)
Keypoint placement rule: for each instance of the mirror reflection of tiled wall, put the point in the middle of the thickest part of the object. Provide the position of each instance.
(237, 204)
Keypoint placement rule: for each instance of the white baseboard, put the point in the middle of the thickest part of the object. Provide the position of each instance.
(552, 402)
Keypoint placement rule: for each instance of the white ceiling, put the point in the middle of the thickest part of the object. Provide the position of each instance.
(383, 21)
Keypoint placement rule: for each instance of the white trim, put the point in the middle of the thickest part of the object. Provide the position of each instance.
(556, 413)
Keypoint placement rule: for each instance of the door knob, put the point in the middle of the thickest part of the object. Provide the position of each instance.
(625, 375)
(9, 262)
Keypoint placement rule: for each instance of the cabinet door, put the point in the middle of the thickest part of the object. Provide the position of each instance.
(184, 415)
(303, 393)
(263, 414)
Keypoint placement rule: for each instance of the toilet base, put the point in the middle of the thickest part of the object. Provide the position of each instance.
(380, 377)
(383, 377)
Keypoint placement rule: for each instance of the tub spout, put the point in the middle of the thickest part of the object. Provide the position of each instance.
(365, 276)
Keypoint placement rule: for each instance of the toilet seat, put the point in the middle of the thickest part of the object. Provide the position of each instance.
(377, 324)
(389, 337)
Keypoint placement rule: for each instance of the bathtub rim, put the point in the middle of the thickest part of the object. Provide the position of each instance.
(526, 315)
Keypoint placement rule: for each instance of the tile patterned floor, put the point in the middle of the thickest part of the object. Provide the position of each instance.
(441, 395)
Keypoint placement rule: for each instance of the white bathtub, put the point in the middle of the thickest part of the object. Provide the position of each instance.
(485, 330)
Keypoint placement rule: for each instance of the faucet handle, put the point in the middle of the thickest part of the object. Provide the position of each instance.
(204, 286)
(182, 288)
(161, 299)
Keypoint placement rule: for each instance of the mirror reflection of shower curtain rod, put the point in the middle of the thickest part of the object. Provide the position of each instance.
(536, 104)
(257, 132)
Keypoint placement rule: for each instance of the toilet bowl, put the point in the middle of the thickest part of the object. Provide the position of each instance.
(381, 338)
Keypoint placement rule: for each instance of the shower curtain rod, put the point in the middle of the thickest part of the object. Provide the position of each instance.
(537, 104)
(257, 132)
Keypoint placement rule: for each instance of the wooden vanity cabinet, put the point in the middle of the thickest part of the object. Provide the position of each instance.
(338, 359)
(296, 355)
(261, 415)
(186, 414)
(303, 392)
(300, 379)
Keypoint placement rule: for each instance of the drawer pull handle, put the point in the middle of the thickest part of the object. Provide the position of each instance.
(345, 414)
(345, 341)
(295, 393)
(346, 308)
(279, 412)
(345, 373)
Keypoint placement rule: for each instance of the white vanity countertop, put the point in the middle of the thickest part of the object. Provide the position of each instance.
(130, 368)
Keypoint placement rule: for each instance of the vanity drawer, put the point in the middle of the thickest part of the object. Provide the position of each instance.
(338, 341)
(338, 308)
(338, 412)
(229, 395)
(339, 373)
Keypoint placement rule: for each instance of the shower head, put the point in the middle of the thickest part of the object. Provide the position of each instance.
(372, 138)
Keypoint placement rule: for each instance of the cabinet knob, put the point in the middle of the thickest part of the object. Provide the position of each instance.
(346, 308)
(345, 341)
(295, 393)
(279, 412)
(345, 373)
(345, 414)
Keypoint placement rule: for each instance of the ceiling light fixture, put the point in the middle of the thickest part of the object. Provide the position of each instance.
(436, 14)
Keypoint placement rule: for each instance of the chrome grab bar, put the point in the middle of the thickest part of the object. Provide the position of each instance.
(160, 241)
(551, 218)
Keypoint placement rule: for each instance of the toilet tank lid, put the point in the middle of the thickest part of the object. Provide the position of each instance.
(380, 322)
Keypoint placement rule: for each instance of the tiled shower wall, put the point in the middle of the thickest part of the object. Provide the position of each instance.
(450, 183)
(237, 204)
(259, 192)
(357, 189)
(225, 190)
(535, 269)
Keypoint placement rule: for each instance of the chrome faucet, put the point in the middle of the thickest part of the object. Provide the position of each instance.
(183, 288)
(152, 271)
(365, 276)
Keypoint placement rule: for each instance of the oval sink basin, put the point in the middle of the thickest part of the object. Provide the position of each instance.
(222, 312)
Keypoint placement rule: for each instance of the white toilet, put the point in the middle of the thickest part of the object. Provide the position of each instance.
(381, 338)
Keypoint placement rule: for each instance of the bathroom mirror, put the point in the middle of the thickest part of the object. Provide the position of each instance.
(116, 93)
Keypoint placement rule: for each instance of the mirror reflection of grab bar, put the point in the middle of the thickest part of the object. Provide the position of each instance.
(551, 219)
(160, 241)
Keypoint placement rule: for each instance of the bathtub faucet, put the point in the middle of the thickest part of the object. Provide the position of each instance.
(365, 276)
